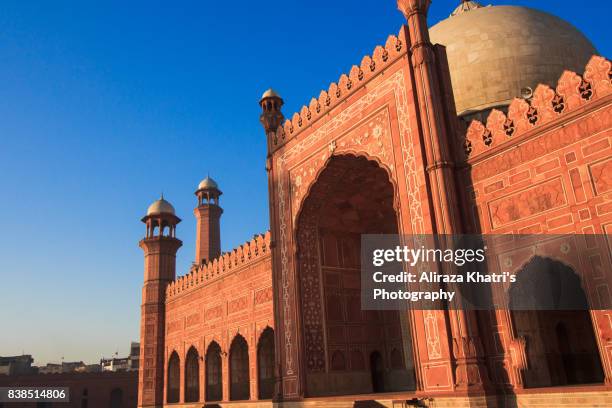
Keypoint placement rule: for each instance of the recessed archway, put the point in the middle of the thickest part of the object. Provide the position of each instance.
(239, 369)
(174, 374)
(560, 344)
(351, 196)
(192, 376)
(214, 386)
(265, 364)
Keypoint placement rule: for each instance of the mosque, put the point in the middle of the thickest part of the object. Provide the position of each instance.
(496, 120)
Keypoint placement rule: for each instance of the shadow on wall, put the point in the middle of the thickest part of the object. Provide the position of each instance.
(367, 404)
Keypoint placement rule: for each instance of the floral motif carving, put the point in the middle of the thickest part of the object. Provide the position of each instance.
(214, 312)
(601, 174)
(599, 74)
(527, 203)
(585, 90)
(311, 291)
(263, 296)
(432, 335)
(237, 305)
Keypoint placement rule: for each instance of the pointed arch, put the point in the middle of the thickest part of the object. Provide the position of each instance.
(351, 196)
(192, 375)
(377, 372)
(346, 154)
(265, 364)
(239, 369)
(214, 386)
(550, 311)
(173, 381)
(338, 361)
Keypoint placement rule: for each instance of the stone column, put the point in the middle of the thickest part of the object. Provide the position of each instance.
(470, 372)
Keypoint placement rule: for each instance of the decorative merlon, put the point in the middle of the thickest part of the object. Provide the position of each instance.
(246, 253)
(572, 92)
(381, 58)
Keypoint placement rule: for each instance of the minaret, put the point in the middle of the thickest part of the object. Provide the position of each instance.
(160, 246)
(271, 119)
(208, 216)
(272, 116)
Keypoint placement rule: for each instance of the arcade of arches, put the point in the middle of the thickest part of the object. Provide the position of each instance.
(239, 369)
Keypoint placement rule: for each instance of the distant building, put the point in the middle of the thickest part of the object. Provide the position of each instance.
(129, 363)
(17, 365)
(134, 358)
(89, 368)
(114, 364)
(50, 368)
(64, 367)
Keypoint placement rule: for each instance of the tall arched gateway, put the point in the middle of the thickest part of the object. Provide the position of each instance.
(394, 110)
(351, 196)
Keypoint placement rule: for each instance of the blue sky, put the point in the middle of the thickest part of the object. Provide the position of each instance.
(104, 105)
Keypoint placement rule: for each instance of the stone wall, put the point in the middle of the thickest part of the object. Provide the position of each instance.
(229, 296)
(544, 168)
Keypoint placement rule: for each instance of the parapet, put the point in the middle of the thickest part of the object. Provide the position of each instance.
(247, 253)
(371, 66)
(572, 93)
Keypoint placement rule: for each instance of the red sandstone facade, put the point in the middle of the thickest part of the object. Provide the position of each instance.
(382, 151)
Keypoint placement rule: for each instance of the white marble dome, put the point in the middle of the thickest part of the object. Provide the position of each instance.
(495, 52)
(208, 184)
(160, 206)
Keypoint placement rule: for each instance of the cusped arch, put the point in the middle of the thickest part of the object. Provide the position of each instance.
(239, 369)
(192, 375)
(266, 363)
(351, 195)
(357, 154)
(213, 370)
(550, 314)
(547, 283)
(173, 384)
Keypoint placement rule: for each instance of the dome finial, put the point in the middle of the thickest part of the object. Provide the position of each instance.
(465, 6)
